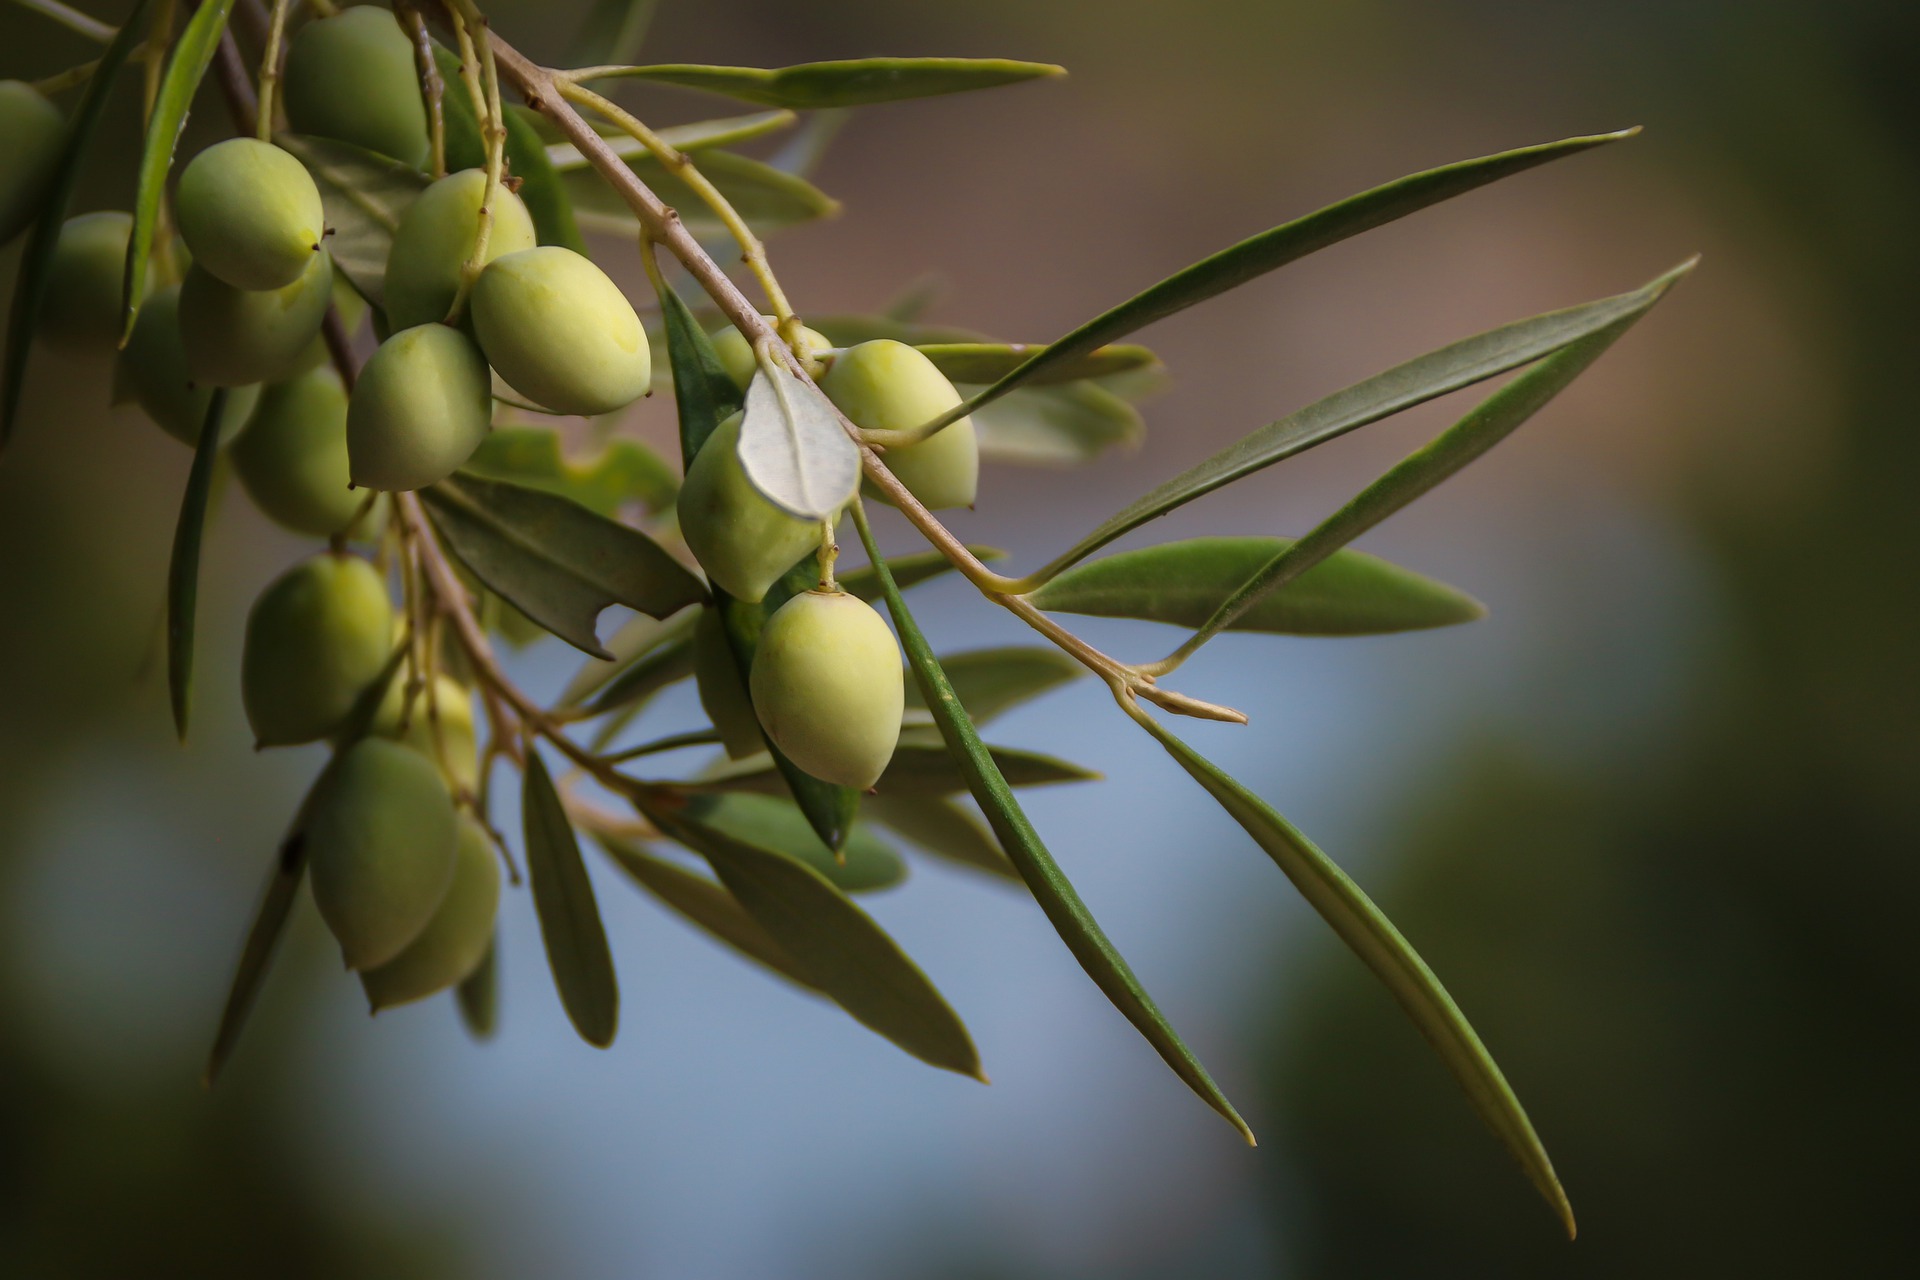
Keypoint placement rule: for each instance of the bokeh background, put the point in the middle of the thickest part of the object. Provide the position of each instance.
(1656, 820)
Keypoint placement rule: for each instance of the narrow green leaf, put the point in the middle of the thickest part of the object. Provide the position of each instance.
(941, 827)
(1372, 937)
(1050, 886)
(478, 995)
(984, 362)
(623, 471)
(364, 196)
(659, 666)
(1057, 426)
(1424, 378)
(183, 569)
(854, 83)
(635, 639)
(908, 571)
(704, 396)
(921, 766)
(192, 55)
(706, 904)
(866, 862)
(554, 560)
(1350, 593)
(1290, 241)
(803, 153)
(36, 260)
(990, 682)
(765, 196)
(611, 32)
(540, 187)
(569, 917)
(836, 945)
(698, 136)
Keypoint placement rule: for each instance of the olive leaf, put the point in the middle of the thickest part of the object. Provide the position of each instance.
(865, 863)
(183, 568)
(908, 571)
(478, 994)
(569, 917)
(704, 395)
(635, 638)
(766, 197)
(852, 83)
(941, 827)
(990, 682)
(554, 560)
(1350, 593)
(921, 766)
(621, 472)
(984, 362)
(611, 31)
(36, 260)
(668, 662)
(1056, 426)
(698, 136)
(364, 195)
(793, 447)
(707, 905)
(192, 55)
(802, 154)
(1049, 885)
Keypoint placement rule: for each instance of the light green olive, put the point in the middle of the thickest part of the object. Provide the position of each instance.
(435, 240)
(421, 407)
(743, 541)
(154, 368)
(456, 939)
(451, 710)
(352, 77)
(380, 838)
(292, 457)
(723, 694)
(236, 336)
(828, 687)
(888, 386)
(736, 355)
(31, 133)
(560, 332)
(316, 638)
(250, 214)
(82, 309)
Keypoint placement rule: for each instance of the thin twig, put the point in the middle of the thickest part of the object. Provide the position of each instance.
(270, 67)
(72, 19)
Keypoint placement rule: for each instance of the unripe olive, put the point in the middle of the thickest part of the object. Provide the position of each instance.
(154, 366)
(292, 456)
(82, 307)
(560, 332)
(723, 694)
(743, 541)
(435, 239)
(250, 214)
(452, 708)
(31, 133)
(828, 687)
(421, 407)
(316, 638)
(885, 385)
(352, 77)
(736, 353)
(380, 840)
(236, 336)
(457, 936)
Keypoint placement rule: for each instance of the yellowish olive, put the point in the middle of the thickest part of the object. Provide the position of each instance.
(352, 77)
(421, 407)
(154, 369)
(560, 332)
(736, 355)
(292, 457)
(250, 214)
(456, 939)
(316, 638)
(31, 132)
(236, 336)
(889, 386)
(828, 688)
(723, 694)
(743, 541)
(414, 723)
(436, 238)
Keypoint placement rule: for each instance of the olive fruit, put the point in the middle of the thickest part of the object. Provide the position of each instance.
(421, 407)
(380, 836)
(743, 541)
(457, 935)
(31, 133)
(451, 708)
(736, 353)
(85, 283)
(352, 77)
(236, 336)
(435, 239)
(888, 386)
(560, 332)
(316, 638)
(723, 694)
(292, 456)
(250, 214)
(828, 687)
(154, 367)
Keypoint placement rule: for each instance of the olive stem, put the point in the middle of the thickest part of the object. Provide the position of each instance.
(432, 87)
(493, 127)
(62, 81)
(270, 68)
(72, 19)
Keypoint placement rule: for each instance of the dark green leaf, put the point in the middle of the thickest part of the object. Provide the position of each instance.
(36, 260)
(1372, 937)
(1348, 594)
(983, 362)
(854, 83)
(704, 396)
(623, 471)
(763, 195)
(991, 681)
(1051, 888)
(867, 863)
(698, 136)
(921, 766)
(611, 32)
(183, 570)
(1056, 426)
(540, 187)
(192, 54)
(364, 195)
(706, 904)
(478, 995)
(569, 917)
(554, 560)
(847, 330)
(940, 826)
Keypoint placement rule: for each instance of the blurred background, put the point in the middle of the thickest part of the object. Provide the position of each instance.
(1655, 820)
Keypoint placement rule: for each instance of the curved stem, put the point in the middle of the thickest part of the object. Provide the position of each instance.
(72, 19)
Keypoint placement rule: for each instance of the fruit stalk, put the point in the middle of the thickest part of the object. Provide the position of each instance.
(270, 69)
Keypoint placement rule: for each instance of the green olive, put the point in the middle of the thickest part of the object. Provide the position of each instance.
(292, 457)
(380, 839)
(250, 214)
(352, 77)
(828, 687)
(236, 336)
(32, 132)
(560, 332)
(743, 541)
(888, 386)
(316, 638)
(414, 724)
(154, 367)
(435, 240)
(422, 406)
(723, 694)
(736, 354)
(456, 938)
(85, 283)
